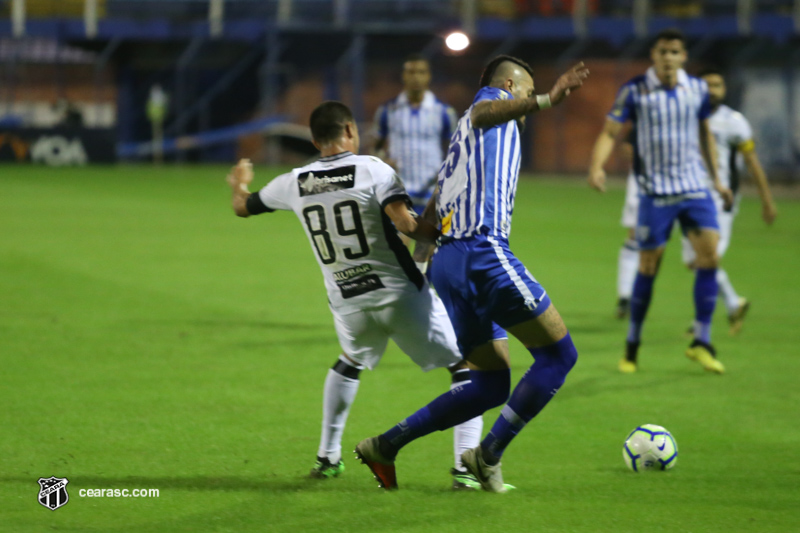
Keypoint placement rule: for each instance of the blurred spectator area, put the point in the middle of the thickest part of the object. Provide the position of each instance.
(370, 10)
(44, 83)
(277, 59)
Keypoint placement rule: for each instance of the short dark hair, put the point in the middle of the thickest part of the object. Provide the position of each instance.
(415, 57)
(327, 121)
(491, 68)
(669, 34)
(711, 70)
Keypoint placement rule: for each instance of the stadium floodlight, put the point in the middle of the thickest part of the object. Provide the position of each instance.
(457, 41)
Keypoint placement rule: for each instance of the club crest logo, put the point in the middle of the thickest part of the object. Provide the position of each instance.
(53, 492)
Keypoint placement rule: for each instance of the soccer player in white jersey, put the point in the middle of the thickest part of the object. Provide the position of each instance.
(734, 142)
(414, 129)
(628, 258)
(674, 153)
(483, 285)
(351, 208)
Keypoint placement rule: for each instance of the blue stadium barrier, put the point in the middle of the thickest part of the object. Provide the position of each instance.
(139, 150)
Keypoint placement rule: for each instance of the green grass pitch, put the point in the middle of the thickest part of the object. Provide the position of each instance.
(150, 339)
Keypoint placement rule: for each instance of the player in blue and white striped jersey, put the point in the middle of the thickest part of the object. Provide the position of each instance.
(673, 151)
(483, 286)
(414, 129)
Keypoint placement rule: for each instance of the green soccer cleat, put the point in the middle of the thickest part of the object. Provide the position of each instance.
(489, 476)
(463, 480)
(467, 482)
(324, 469)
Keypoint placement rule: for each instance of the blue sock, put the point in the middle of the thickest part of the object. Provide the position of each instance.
(537, 387)
(640, 302)
(486, 390)
(705, 299)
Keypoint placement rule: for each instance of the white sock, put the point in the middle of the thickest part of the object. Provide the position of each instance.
(338, 396)
(627, 265)
(727, 292)
(467, 435)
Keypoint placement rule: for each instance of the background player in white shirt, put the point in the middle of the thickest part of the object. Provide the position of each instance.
(628, 259)
(734, 139)
(351, 208)
(412, 131)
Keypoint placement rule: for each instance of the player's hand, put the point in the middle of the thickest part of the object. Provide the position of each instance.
(727, 196)
(597, 179)
(769, 212)
(572, 80)
(241, 175)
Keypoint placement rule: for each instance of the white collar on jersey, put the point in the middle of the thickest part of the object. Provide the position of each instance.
(653, 82)
(427, 100)
(335, 157)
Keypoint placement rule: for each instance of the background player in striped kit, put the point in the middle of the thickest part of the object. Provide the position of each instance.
(412, 131)
(674, 141)
(484, 287)
(351, 208)
(735, 143)
(735, 149)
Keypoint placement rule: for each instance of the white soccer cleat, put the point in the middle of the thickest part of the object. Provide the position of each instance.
(490, 477)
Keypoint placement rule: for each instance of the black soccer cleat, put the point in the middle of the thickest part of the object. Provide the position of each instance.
(623, 308)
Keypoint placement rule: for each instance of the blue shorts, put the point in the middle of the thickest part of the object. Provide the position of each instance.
(418, 209)
(657, 215)
(484, 289)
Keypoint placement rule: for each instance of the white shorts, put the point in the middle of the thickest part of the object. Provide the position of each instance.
(417, 323)
(630, 211)
(725, 220)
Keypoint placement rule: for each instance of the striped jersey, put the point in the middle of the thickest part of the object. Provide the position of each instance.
(340, 202)
(416, 137)
(734, 136)
(667, 158)
(478, 180)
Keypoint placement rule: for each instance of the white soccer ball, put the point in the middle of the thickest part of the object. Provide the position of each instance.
(650, 447)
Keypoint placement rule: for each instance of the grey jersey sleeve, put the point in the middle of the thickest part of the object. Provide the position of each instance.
(279, 192)
(388, 185)
(742, 134)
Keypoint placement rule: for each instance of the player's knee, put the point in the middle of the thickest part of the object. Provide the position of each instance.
(559, 357)
(648, 263)
(709, 260)
(568, 353)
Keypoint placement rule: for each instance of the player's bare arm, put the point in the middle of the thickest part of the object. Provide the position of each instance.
(423, 250)
(490, 113)
(239, 179)
(601, 152)
(768, 210)
(408, 224)
(708, 147)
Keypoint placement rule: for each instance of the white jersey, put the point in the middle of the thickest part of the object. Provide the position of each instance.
(340, 200)
(733, 135)
(416, 136)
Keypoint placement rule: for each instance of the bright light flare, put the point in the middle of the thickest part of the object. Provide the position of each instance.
(457, 41)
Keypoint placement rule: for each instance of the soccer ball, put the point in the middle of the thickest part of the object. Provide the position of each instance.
(650, 447)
